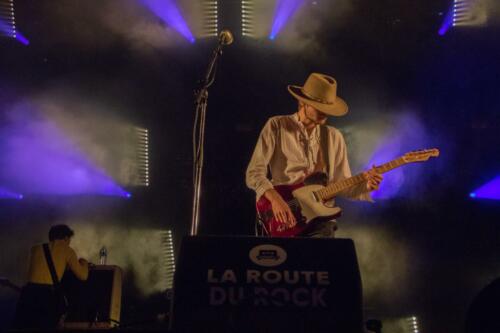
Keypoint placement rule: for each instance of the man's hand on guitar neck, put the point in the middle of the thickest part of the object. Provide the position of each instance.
(281, 210)
(373, 179)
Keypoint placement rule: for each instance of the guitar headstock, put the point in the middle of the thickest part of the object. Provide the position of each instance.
(420, 155)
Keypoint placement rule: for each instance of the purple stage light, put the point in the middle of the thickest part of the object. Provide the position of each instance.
(9, 31)
(6, 29)
(8, 194)
(23, 40)
(38, 158)
(284, 11)
(490, 190)
(448, 22)
(408, 134)
(169, 13)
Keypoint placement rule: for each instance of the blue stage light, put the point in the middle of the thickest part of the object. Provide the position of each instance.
(285, 9)
(447, 23)
(41, 159)
(23, 40)
(8, 22)
(168, 11)
(490, 190)
(8, 194)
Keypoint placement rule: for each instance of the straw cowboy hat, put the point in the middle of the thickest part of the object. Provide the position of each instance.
(320, 91)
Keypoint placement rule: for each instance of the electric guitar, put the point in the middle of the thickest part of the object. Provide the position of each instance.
(313, 200)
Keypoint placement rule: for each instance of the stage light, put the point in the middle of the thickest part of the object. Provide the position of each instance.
(41, 159)
(447, 23)
(23, 40)
(285, 9)
(247, 18)
(412, 324)
(469, 13)
(408, 324)
(465, 13)
(168, 11)
(210, 24)
(8, 194)
(142, 157)
(405, 133)
(168, 262)
(490, 190)
(8, 22)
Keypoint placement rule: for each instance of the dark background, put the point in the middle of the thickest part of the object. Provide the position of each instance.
(388, 50)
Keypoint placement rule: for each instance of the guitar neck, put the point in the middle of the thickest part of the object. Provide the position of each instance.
(333, 189)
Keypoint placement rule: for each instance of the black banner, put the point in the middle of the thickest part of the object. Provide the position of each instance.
(251, 284)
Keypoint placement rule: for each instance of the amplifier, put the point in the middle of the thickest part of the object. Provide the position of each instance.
(254, 284)
(95, 303)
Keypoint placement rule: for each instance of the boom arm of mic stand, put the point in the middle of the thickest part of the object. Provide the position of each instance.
(211, 66)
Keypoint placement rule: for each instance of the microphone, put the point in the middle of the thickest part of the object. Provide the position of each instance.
(226, 37)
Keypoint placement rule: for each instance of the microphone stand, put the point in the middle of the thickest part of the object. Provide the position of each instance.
(201, 101)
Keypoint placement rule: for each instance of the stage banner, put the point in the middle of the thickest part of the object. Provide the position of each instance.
(254, 284)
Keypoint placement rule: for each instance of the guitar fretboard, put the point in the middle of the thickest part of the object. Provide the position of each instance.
(333, 189)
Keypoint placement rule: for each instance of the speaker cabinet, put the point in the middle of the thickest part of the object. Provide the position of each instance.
(253, 284)
(95, 303)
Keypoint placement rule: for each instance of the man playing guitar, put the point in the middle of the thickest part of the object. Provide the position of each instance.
(294, 147)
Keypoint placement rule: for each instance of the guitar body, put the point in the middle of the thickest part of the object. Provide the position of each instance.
(303, 204)
(312, 200)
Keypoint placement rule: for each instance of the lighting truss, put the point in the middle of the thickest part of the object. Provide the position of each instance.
(142, 157)
(210, 24)
(469, 13)
(7, 19)
(247, 18)
(168, 262)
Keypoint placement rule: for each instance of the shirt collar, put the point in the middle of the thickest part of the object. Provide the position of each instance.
(295, 118)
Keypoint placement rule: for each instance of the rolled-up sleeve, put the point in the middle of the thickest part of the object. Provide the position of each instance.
(256, 175)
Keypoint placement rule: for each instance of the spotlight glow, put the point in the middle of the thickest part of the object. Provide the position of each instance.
(38, 158)
(285, 9)
(8, 22)
(490, 190)
(170, 14)
(447, 24)
(8, 194)
(407, 134)
(23, 40)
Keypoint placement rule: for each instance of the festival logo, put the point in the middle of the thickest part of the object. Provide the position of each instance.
(267, 255)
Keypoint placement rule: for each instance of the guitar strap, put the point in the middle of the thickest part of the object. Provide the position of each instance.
(62, 305)
(50, 263)
(324, 145)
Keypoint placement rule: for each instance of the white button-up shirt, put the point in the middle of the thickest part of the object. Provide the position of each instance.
(291, 154)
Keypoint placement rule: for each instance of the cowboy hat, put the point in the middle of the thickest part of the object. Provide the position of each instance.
(320, 91)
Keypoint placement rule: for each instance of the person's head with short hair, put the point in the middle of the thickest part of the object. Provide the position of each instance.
(60, 232)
